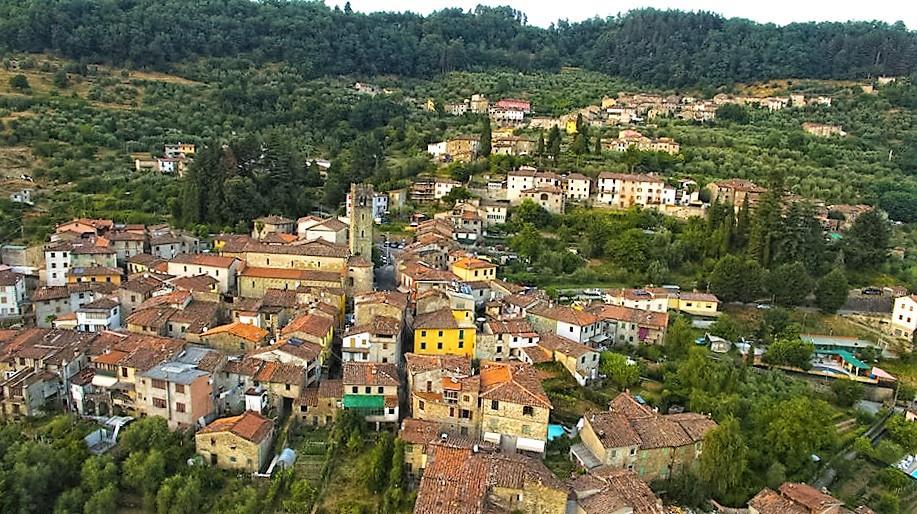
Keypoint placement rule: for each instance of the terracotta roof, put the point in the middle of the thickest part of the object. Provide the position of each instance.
(331, 388)
(417, 363)
(277, 237)
(45, 293)
(565, 314)
(379, 325)
(203, 259)
(656, 320)
(418, 431)
(138, 351)
(640, 294)
(358, 261)
(142, 284)
(279, 298)
(9, 278)
(201, 282)
(125, 236)
(452, 484)
(91, 249)
(175, 298)
(604, 490)
(740, 185)
(238, 329)
(198, 315)
(565, 346)
(510, 326)
(250, 426)
(472, 263)
(808, 496)
(512, 382)
(312, 324)
(698, 297)
(388, 297)
(768, 501)
(627, 423)
(438, 319)
(315, 247)
(538, 354)
(305, 350)
(332, 224)
(305, 275)
(371, 374)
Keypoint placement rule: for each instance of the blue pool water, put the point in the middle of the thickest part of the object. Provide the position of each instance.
(914, 473)
(555, 431)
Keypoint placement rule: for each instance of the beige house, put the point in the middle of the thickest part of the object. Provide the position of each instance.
(272, 225)
(623, 191)
(235, 338)
(240, 443)
(632, 436)
(514, 406)
(735, 191)
(551, 198)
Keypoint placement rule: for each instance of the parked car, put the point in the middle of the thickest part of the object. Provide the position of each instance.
(872, 291)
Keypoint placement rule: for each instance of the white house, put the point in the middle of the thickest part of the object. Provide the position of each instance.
(332, 230)
(12, 293)
(577, 187)
(57, 263)
(223, 269)
(437, 149)
(623, 191)
(99, 316)
(904, 317)
(649, 299)
(376, 341)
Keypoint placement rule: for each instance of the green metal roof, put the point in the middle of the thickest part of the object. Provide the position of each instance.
(364, 401)
(847, 356)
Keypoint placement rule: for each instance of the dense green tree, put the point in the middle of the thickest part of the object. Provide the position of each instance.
(732, 112)
(619, 371)
(678, 338)
(789, 284)
(794, 430)
(630, 249)
(847, 392)
(790, 352)
(554, 138)
(723, 462)
(735, 279)
(103, 501)
(866, 243)
(831, 291)
(727, 327)
(484, 149)
(900, 205)
(19, 82)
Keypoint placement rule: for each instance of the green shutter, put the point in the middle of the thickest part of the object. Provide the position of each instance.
(364, 401)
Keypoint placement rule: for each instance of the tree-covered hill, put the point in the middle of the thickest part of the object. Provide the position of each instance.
(668, 48)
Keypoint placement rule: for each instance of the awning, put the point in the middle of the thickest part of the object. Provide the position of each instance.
(364, 401)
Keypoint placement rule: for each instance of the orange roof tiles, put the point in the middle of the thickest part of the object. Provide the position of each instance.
(239, 329)
(512, 382)
(251, 426)
(203, 259)
(312, 324)
(371, 374)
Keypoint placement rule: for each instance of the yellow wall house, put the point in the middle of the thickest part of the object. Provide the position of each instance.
(470, 269)
(94, 274)
(443, 332)
(695, 304)
(239, 442)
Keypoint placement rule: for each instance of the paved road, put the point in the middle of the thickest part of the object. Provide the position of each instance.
(384, 276)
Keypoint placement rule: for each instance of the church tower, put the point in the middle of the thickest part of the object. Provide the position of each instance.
(361, 220)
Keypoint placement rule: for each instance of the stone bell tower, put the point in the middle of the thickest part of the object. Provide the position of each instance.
(361, 220)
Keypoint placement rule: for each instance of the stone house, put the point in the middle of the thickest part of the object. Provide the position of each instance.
(550, 198)
(223, 269)
(318, 405)
(581, 361)
(12, 293)
(372, 389)
(376, 341)
(632, 436)
(235, 338)
(514, 406)
(241, 443)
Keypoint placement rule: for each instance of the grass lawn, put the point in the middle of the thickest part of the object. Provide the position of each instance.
(905, 371)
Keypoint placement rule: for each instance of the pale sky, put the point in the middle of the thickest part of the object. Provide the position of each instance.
(543, 12)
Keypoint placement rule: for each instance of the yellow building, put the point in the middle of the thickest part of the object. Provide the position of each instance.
(94, 274)
(570, 126)
(470, 269)
(444, 332)
(695, 304)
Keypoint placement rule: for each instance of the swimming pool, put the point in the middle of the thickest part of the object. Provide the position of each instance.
(555, 431)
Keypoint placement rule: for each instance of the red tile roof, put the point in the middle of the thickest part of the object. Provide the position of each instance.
(512, 382)
(371, 374)
(312, 324)
(203, 259)
(238, 329)
(251, 426)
